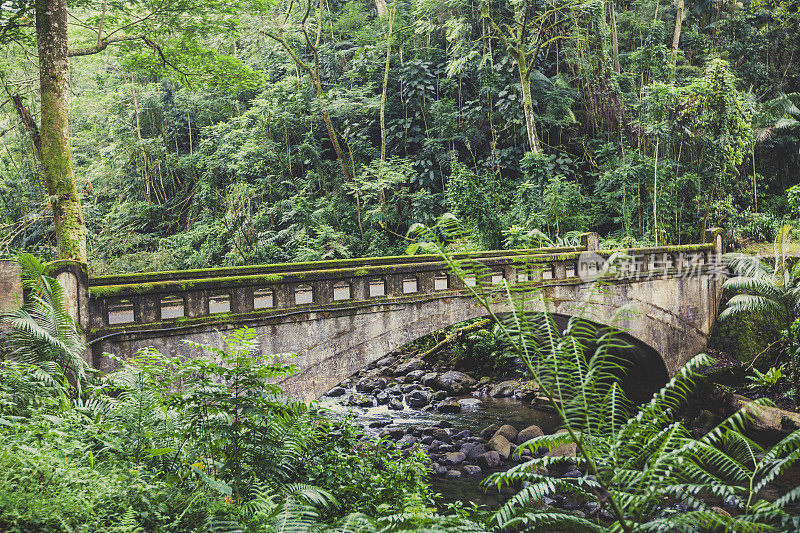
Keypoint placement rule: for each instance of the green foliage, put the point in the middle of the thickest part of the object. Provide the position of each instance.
(765, 380)
(765, 290)
(42, 332)
(208, 443)
(472, 197)
(632, 459)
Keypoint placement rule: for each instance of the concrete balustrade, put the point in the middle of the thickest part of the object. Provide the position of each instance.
(339, 315)
(196, 296)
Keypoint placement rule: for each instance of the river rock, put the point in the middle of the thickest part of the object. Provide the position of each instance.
(504, 389)
(443, 424)
(406, 441)
(395, 390)
(527, 392)
(461, 434)
(386, 361)
(370, 383)
(438, 469)
(500, 444)
(489, 460)
(444, 448)
(508, 431)
(413, 376)
(452, 474)
(440, 395)
(336, 392)
(453, 458)
(488, 432)
(408, 388)
(418, 398)
(395, 404)
(393, 433)
(470, 403)
(567, 450)
(467, 447)
(478, 450)
(472, 470)
(454, 382)
(438, 433)
(449, 406)
(429, 379)
(382, 398)
(361, 400)
(409, 366)
(528, 433)
(379, 423)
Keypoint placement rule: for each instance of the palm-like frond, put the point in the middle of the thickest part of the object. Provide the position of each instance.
(42, 331)
(634, 461)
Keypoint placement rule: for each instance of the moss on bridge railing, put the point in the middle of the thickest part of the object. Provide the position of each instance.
(187, 299)
(223, 272)
(329, 270)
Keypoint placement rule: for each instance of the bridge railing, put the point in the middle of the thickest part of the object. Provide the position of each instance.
(131, 301)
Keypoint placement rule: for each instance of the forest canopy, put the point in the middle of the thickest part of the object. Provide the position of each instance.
(227, 133)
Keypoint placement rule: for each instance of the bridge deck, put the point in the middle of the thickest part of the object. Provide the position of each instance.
(133, 302)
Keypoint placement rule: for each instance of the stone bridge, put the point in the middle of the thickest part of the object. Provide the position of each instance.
(338, 316)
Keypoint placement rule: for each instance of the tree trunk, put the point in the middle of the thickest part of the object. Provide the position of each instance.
(614, 37)
(56, 152)
(676, 36)
(386, 79)
(527, 108)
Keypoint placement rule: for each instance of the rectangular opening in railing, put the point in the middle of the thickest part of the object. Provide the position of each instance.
(341, 291)
(219, 303)
(263, 299)
(377, 288)
(303, 294)
(120, 312)
(172, 307)
(409, 285)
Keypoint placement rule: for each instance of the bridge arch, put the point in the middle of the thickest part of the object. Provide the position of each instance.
(670, 302)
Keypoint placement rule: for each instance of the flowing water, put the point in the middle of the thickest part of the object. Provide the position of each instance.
(492, 411)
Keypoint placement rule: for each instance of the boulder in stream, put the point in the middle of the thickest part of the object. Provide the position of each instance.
(489, 431)
(454, 382)
(508, 431)
(489, 460)
(470, 403)
(409, 366)
(370, 383)
(449, 406)
(453, 458)
(504, 389)
(528, 433)
(472, 470)
(396, 405)
(418, 398)
(501, 445)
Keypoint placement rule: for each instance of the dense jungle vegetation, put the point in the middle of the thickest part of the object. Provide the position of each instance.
(168, 134)
(225, 133)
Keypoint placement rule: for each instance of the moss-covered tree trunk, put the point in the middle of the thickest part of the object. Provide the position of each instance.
(56, 153)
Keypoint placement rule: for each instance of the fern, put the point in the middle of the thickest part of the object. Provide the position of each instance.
(42, 332)
(635, 460)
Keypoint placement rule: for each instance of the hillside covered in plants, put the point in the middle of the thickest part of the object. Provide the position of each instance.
(254, 132)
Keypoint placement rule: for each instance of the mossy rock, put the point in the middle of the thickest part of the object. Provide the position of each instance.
(744, 336)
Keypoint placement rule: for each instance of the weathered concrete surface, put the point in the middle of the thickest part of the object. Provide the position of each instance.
(673, 316)
(10, 285)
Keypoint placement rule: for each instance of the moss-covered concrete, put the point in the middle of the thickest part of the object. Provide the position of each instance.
(743, 336)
